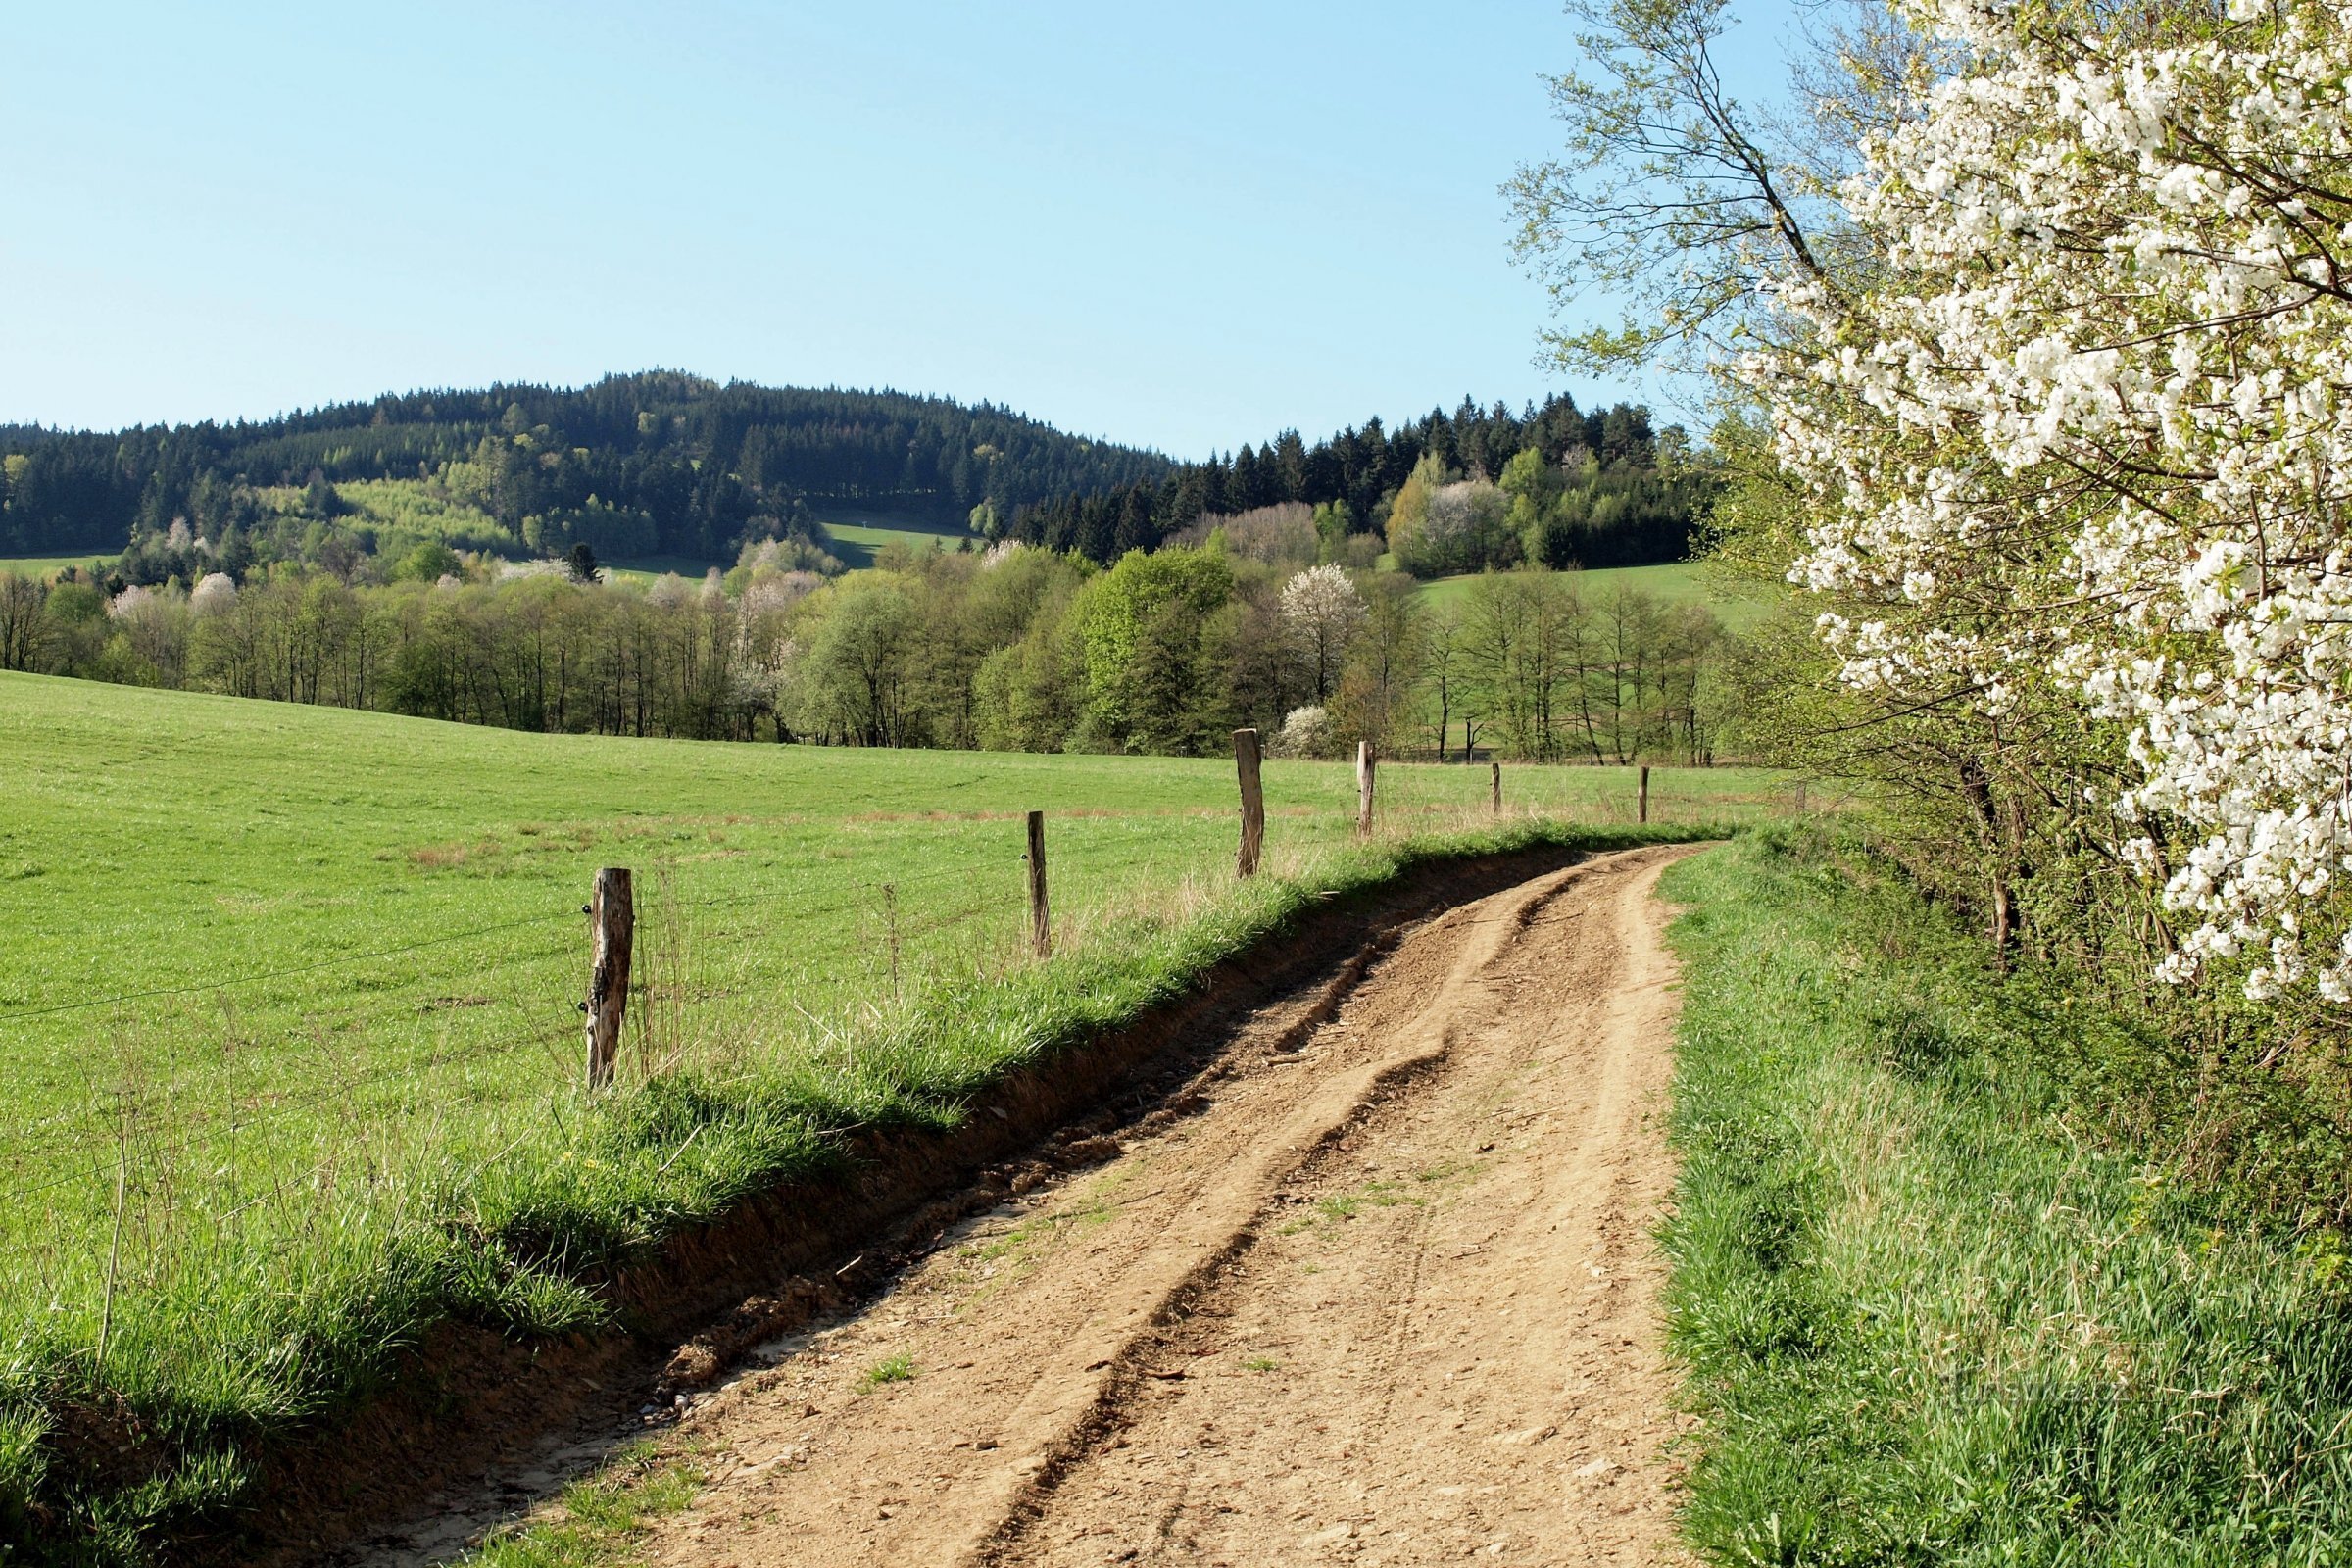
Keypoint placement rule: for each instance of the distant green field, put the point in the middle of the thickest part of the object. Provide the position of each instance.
(49, 565)
(1738, 605)
(860, 537)
(642, 570)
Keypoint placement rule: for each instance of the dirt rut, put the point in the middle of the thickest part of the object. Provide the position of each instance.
(1386, 1294)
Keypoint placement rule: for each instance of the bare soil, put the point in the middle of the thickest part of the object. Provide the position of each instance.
(1375, 1286)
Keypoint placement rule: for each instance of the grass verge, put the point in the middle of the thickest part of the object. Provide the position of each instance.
(1926, 1312)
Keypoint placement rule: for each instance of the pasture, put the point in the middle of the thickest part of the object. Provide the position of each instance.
(289, 1020)
(860, 538)
(48, 567)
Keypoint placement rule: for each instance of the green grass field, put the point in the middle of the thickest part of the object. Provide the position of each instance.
(49, 565)
(1737, 604)
(289, 1027)
(858, 538)
(643, 569)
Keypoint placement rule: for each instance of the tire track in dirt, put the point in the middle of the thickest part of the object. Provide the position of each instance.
(1385, 1295)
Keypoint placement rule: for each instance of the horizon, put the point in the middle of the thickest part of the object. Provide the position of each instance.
(1388, 420)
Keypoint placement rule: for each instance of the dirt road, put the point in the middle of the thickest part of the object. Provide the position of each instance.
(1384, 1292)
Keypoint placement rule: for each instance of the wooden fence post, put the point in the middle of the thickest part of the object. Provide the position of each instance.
(1800, 797)
(1041, 917)
(1644, 807)
(611, 940)
(1497, 788)
(1254, 802)
(1365, 761)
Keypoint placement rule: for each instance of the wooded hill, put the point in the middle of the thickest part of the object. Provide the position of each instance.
(660, 462)
(663, 464)
(1625, 495)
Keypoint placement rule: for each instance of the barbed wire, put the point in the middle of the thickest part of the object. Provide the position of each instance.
(163, 1148)
(240, 981)
(257, 1117)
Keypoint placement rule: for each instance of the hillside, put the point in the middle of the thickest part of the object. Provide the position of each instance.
(657, 463)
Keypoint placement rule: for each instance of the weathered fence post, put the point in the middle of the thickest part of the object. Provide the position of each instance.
(1643, 804)
(1365, 761)
(1254, 802)
(1497, 788)
(1041, 917)
(1800, 797)
(611, 940)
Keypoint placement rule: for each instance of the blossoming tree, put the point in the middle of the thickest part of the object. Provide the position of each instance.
(2087, 431)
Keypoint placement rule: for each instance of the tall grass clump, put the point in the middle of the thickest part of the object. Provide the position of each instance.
(240, 1313)
(1933, 1307)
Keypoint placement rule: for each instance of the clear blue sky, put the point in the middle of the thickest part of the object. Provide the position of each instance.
(1181, 226)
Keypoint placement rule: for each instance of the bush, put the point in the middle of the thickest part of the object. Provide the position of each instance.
(1305, 733)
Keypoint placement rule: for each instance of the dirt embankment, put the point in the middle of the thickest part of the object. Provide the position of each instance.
(1382, 1293)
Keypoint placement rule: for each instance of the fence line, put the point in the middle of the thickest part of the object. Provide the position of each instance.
(240, 981)
(670, 937)
(19, 1152)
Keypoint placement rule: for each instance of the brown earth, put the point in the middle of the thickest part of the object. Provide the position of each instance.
(1377, 1286)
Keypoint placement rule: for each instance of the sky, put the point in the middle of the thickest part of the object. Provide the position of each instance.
(1184, 227)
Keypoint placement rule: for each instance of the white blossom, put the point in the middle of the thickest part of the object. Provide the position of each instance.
(215, 592)
(2095, 428)
(1305, 732)
(1321, 613)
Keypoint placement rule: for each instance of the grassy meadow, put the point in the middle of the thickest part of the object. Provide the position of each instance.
(289, 1025)
(860, 538)
(48, 567)
(1927, 1312)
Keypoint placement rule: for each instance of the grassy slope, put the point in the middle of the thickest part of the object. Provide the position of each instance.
(1738, 605)
(46, 566)
(302, 980)
(252, 880)
(859, 537)
(643, 569)
(1926, 1319)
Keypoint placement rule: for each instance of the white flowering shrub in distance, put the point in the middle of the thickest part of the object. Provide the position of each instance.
(216, 591)
(1305, 733)
(669, 591)
(517, 570)
(2091, 430)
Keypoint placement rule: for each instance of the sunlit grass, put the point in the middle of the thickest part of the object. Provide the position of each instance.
(294, 1061)
(1926, 1318)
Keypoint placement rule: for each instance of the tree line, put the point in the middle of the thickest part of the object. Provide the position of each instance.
(691, 465)
(1010, 648)
(665, 464)
(1601, 488)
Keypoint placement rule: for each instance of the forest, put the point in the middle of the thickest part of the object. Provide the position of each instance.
(445, 555)
(657, 463)
(1595, 488)
(662, 463)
